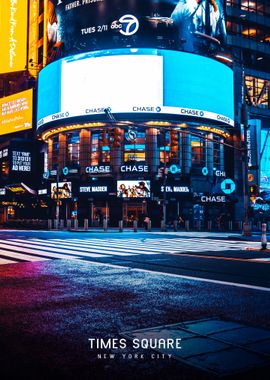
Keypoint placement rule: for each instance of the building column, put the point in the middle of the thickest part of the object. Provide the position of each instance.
(116, 155)
(221, 150)
(84, 149)
(151, 150)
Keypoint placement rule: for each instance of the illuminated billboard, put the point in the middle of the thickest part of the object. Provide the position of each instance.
(133, 189)
(144, 82)
(64, 190)
(13, 36)
(88, 25)
(16, 112)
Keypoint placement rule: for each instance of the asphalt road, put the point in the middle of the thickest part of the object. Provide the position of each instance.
(49, 308)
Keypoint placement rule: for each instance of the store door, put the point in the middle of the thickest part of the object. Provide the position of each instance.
(134, 211)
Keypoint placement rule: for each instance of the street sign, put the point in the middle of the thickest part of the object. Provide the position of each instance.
(228, 186)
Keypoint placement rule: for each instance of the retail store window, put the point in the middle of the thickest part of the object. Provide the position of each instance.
(73, 140)
(55, 152)
(94, 154)
(197, 151)
(257, 92)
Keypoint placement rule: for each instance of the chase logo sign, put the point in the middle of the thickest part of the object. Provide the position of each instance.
(228, 186)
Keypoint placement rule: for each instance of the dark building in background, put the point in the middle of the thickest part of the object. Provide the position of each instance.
(147, 108)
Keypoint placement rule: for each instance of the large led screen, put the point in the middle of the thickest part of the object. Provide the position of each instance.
(16, 112)
(133, 189)
(64, 190)
(13, 36)
(87, 25)
(142, 81)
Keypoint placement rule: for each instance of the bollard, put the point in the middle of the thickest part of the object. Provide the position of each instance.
(149, 225)
(264, 238)
(68, 224)
(209, 225)
(187, 225)
(105, 225)
(120, 225)
(175, 225)
(85, 224)
(230, 225)
(56, 224)
(246, 229)
(49, 224)
(135, 225)
(61, 224)
(162, 226)
(75, 224)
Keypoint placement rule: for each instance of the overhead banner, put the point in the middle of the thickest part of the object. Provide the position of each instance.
(85, 25)
(13, 36)
(16, 112)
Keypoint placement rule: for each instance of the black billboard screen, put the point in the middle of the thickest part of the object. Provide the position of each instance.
(86, 25)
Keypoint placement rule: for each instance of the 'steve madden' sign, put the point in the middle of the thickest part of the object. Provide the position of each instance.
(93, 189)
(134, 168)
(97, 169)
(175, 189)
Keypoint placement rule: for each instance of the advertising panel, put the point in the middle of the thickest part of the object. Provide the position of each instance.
(147, 81)
(86, 25)
(133, 189)
(16, 112)
(64, 190)
(13, 36)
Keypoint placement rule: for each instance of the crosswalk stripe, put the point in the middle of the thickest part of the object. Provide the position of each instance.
(109, 246)
(107, 251)
(6, 261)
(20, 256)
(17, 247)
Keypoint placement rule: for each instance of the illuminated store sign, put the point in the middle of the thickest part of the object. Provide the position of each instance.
(213, 199)
(16, 112)
(97, 169)
(2, 191)
(42, 192)
(86, 25)
(21, 161)
(134, 168)
(93, 189)
(4, 153)
(13, 36)
(156, 82)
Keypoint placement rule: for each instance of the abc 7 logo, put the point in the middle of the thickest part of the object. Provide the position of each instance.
(127, 25)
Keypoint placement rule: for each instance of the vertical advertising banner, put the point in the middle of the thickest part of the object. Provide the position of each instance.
(13, 36)
(86, 25)
(33, 38)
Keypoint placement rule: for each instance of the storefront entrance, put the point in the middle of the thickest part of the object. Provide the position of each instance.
(134, 211)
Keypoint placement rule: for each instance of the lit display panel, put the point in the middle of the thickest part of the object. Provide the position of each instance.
(144, 81)
(16, 112)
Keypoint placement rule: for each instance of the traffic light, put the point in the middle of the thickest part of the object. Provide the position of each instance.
(104, 138)
(174, 140)
(117, 137)
(253, 190)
